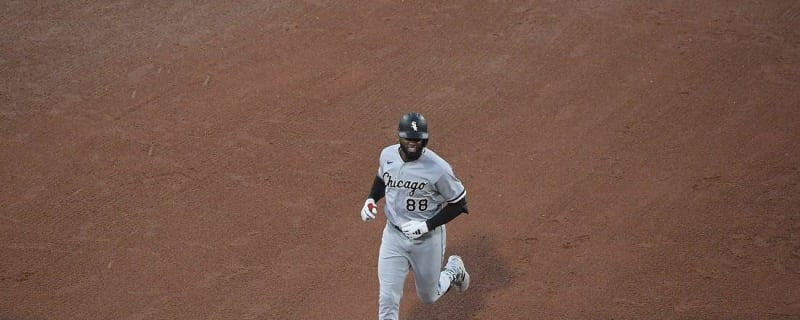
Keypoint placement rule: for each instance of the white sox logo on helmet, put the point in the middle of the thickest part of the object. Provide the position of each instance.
(414, 125)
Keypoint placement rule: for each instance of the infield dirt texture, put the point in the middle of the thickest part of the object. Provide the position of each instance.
(208, 159)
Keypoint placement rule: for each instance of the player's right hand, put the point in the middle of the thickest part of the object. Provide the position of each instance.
(369, 210)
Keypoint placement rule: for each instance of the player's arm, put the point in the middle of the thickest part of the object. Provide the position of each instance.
(449, 186)
(450, 212)
(378, 189)
(376, 193)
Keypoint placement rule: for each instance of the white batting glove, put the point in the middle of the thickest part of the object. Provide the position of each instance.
(414, 229)
(369, 210)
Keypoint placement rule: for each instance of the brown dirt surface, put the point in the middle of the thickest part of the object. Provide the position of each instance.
(208, 159)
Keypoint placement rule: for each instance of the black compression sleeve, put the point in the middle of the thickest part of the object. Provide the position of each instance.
(378, 189)
(447, 214)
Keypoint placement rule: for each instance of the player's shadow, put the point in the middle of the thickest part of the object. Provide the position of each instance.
(487, 271)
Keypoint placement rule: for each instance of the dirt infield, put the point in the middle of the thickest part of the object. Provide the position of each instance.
(204, 160)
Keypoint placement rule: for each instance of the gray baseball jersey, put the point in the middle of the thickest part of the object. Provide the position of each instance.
(417, 190)
(414, 190)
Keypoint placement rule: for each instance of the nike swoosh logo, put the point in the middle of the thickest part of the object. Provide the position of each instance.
(389, 162)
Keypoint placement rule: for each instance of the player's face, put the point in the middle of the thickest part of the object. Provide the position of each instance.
(412, 148)
(411, 145)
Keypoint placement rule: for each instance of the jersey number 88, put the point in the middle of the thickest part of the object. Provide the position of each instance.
(416, 204)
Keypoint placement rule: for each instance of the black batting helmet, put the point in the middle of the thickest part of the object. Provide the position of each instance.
(413, 126)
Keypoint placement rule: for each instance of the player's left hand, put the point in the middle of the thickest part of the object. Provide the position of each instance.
(414, 229)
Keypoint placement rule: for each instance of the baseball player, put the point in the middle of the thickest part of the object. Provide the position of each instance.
(422, 194)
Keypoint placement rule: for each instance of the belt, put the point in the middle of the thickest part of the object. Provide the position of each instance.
(401, 230)
(396, 227)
